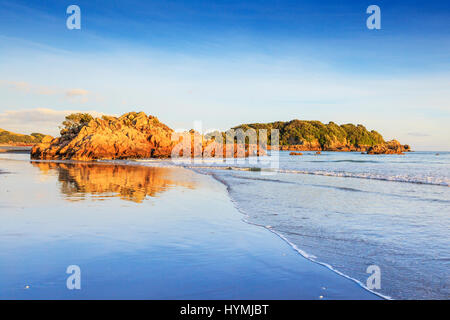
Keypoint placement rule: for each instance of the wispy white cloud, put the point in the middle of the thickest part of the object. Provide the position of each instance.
(79, 94)
(418, 134)
(76, 92)
(36, 120)
(19, 85)
(26, 87)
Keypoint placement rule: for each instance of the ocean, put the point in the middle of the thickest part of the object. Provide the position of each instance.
(349, 211)
(139, 232)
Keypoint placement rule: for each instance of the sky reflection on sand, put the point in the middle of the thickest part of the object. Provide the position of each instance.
(184, 240)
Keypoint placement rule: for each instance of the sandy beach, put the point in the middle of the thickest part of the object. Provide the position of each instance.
(142, 233)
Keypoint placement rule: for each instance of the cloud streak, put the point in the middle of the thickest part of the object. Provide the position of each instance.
(37, 120)
(77, 93)
(418, 134)
(28, 88)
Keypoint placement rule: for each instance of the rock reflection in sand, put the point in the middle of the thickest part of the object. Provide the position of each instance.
(102, 181)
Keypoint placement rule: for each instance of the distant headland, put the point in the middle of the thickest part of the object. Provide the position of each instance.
(17, 139)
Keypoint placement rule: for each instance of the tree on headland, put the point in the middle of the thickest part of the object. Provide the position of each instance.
(74, 122)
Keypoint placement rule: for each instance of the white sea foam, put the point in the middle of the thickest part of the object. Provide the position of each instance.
(399, 217)
(395, 178)
(421, 173)
(303, 253)
(431, 180)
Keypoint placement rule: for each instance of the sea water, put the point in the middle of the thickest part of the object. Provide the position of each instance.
(350, 211)
(135, 232)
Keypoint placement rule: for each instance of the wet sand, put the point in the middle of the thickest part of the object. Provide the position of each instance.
(142, 233)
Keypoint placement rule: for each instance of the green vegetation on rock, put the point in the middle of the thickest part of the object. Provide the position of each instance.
(326, 136)
(74, 122)
(7, 137)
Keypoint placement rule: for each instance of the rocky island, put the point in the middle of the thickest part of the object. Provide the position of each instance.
(301, 135)
(130, 136)
(136, 135)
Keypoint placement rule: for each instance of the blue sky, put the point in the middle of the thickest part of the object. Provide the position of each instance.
(230, 62)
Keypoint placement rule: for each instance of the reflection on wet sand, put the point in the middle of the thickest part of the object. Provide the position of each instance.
(132, 183)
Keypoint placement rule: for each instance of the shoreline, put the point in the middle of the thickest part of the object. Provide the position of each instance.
(385, 296)
(351, 224)
(276, 256)
(14, 149)
(302, 253)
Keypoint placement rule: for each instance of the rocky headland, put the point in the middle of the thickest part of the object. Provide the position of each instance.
(130, 136)
(301, 135)
(8, 138)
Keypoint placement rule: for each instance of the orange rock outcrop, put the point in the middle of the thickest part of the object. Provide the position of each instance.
(390, 147)
(130, 136)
